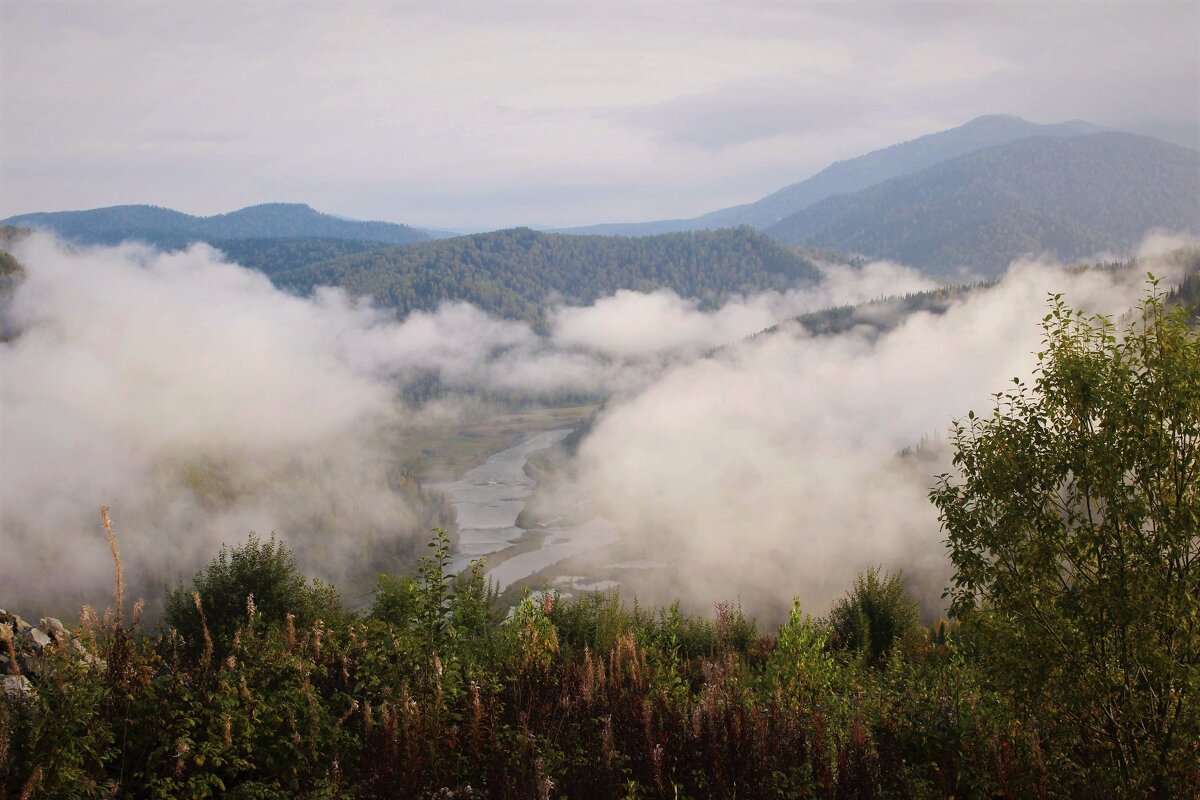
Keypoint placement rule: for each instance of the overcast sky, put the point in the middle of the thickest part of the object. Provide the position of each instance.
(474, 115)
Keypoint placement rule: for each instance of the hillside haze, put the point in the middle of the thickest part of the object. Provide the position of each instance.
(1071, 197)
(858, 173)
(976, 196)
(515, 273)
(164, 227)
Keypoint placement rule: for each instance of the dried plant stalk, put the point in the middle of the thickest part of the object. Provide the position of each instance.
(208, 642)
(116, 555)
(7, 635)
(35, 778)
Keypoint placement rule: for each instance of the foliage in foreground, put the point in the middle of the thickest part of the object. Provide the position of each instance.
(264, 571)
(1070, 672)
(1074, 530)
(436, 693)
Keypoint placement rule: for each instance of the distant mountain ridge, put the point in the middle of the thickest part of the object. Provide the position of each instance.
(975, 196)
(168, 228)
(516, 273)
(854, 174)
(1071, 197)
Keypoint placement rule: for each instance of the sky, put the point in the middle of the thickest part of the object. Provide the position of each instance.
(479, 115)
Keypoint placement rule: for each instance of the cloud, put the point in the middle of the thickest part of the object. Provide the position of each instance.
(774, 468)
(632, 324)
(200, 403)
(753, 110)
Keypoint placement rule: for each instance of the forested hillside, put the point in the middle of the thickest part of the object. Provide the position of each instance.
(854, 174)
(166, 228)
(275, 255)
(881, 315)
(1071, 197)
(885, 313)
(8, 237)
(513, 273)
(878, 166)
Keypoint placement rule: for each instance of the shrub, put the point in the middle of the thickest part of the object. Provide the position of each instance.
(1073, 524)
(267, 570)
(874, 616)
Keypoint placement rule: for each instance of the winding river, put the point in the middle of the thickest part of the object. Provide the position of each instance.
(488, 500)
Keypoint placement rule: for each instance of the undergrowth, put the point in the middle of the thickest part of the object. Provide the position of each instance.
(437, 693)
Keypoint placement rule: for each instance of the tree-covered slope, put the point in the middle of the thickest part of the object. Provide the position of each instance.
(164, 227)
(1070, 197)
(513, 273)
(884, 314)
(9, 236)
(276, 255)
(858, 173)
(878, 166)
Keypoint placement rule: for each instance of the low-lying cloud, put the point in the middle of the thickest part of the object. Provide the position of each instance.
(775, 468)
(200, 403)
(632, 324)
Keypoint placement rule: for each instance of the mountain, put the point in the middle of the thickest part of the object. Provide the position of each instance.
(1072, 197)
(167, 228)
(858, 173)
(275, 255)
(516, 273)
(9, 266)
(881, 315)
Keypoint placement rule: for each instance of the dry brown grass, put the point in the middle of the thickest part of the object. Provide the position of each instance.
(206, 658)
(116, 556)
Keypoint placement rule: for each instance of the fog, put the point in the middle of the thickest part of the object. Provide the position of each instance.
(201, 403)
(638, 324)
(775, 470)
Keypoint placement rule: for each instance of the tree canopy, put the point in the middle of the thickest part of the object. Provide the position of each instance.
(1074, 531)
(517, 273)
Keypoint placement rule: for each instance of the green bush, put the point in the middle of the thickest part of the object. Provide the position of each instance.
(265, 571)
(436, 694)
(875, 616)
(1073, 522)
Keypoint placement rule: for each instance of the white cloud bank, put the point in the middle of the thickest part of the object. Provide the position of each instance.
(773, 469)
(632, 324)
(200, 403)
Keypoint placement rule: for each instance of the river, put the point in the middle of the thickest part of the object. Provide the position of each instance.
(488, 500)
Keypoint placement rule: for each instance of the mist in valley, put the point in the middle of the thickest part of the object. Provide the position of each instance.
(785, 465)
(464, 400)
(201, 403)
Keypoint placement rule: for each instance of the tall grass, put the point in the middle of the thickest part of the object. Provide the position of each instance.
(439, 695)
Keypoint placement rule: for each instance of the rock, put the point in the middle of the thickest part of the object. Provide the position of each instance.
(30, 643)
(55, 628)
(15, 622)
(29, 664)
(17, 687)
(36, 637)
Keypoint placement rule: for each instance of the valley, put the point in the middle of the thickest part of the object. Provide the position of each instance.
(470, 401)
